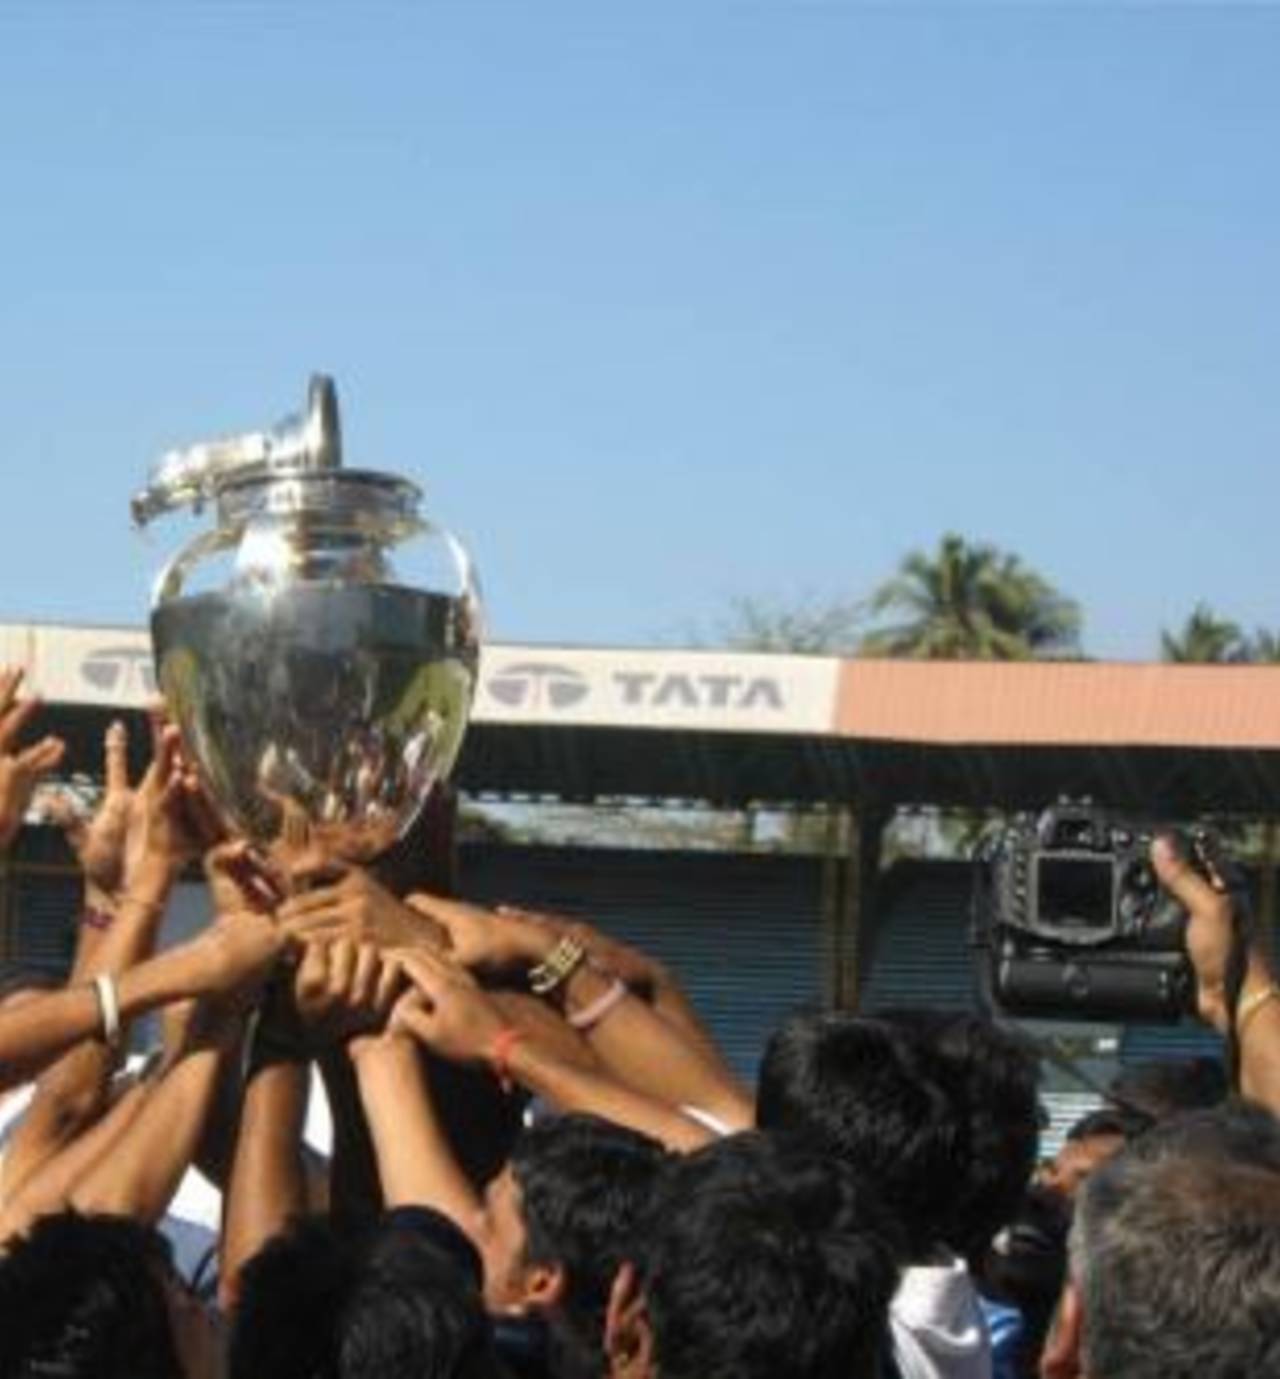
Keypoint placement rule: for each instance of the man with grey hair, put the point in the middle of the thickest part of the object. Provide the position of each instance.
(1175, 1257)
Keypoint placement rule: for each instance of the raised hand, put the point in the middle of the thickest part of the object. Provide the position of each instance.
(98, 839)
(1210, 931)
(240, 878)
(235, 954)
(355, 907)
(446, 1009)
(21, 769)
(485, 940)
(162, 837)
(343, 989)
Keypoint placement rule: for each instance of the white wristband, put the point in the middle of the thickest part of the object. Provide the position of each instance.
(104, 987)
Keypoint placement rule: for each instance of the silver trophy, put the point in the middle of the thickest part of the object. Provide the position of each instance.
(318, 647)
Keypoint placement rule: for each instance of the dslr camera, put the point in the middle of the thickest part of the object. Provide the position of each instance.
(1070, 921)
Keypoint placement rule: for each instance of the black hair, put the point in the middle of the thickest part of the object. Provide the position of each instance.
(990, 1074)
(1115, 1122)
(1176, 1252)
(866, 1092)
(764, 1258)
(1026, 1266)
(398, 1300)
(83, 1297)
(1167, 1087)
(585, 1186)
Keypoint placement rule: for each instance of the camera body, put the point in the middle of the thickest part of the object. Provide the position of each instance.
(1074, 922)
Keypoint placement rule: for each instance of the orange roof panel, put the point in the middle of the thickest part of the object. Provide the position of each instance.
(1060, 703)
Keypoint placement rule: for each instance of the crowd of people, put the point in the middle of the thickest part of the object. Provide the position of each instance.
(542, 1165)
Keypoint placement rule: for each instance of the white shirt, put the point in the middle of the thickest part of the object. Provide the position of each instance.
(937, 1325)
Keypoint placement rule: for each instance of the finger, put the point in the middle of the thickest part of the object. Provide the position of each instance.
(342, 966)
(413, 1017)
(432, 971)
(44, 756)
(14, 720)
(390, 984)
(364, 979)
(313, 870)
(313, 973)
(1184, 882)
(10, 679)
(538, 917)
(422, 971)
(205, 821)
(115, 751)
(316, 928)
(157, 721)
(309, 903)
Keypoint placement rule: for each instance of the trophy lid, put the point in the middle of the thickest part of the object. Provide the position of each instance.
(344, 496)
(309, 442)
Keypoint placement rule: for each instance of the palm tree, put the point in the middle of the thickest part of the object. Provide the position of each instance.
(1207, 638)
(972, 602)
(1264, 647)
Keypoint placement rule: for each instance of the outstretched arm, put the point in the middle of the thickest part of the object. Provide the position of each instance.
(139, 1173)
(462, 1023)
(664, 1059)
(131, 852)
(416, 1164)
(238, 948)
(21, 768)
(268, 1185)
(1210, 934)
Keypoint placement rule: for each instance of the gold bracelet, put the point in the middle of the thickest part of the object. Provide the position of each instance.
(1248, 1008)
(557, 967)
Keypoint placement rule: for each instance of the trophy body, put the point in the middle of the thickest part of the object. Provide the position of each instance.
(321, 690)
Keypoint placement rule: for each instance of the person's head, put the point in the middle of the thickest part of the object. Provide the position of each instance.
(761, 1258)
(1091, 1141)
(867, 1092)
(1026, 1264)
(562, 1218)
(990, 1075)
(97, 1297)
(1175, 1256)
(399, 1300)
(1170, 1086)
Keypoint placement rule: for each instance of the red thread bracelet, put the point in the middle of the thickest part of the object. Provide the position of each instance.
(500, 1051)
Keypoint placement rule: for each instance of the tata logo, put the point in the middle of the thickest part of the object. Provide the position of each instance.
(120, 670)
(707, 691)
(538, 684)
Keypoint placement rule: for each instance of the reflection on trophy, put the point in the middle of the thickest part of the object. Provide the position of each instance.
(321, 684)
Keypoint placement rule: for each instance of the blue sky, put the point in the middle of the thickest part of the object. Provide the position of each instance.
(664, 303)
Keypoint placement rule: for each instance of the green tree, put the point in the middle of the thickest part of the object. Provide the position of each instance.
(1264, 647)
(971, 602)
(810, 628)
(1205, 638)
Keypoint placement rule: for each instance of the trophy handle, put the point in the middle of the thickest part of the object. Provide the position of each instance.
(470, 594)
(169, 582)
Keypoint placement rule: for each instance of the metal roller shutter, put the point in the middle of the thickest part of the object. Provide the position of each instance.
(42, 920)
(742, 932)
(918, 949)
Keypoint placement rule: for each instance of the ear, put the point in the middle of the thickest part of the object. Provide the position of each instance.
(1060, 1358)
(544, 1286)
(628, 1341)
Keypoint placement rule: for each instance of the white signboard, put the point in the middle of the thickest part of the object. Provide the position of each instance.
(706, 690)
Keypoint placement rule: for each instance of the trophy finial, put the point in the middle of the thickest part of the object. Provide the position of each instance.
(190, 475)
